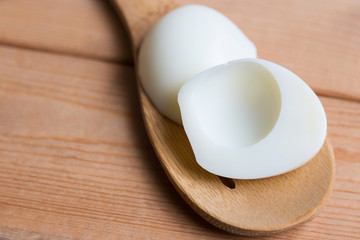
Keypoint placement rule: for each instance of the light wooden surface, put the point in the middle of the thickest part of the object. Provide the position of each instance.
(244, 207)
(75, 162)
(87, 28)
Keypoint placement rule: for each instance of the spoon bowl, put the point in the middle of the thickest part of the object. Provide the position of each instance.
(245, 207)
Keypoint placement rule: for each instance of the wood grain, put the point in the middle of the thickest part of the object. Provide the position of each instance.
(75, 162)
(79, 168)
(318, 40)
(87, 28)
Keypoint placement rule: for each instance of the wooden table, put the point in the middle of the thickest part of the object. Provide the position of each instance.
(75, 161)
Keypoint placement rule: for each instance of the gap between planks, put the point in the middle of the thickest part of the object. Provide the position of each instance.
(69, 54)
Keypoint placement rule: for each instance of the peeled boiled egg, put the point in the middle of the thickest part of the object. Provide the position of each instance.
(183, 43)
(251, 118)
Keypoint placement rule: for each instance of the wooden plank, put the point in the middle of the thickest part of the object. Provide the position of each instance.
(318, 40)
(19, 234)
(75, 162)
(87, 28)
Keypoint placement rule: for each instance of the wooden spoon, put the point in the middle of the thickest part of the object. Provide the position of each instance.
(246, 207)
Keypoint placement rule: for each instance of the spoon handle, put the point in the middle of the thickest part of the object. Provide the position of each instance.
(140, 15)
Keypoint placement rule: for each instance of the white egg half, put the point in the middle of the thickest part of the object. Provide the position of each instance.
(251, 119)
(182, 44)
